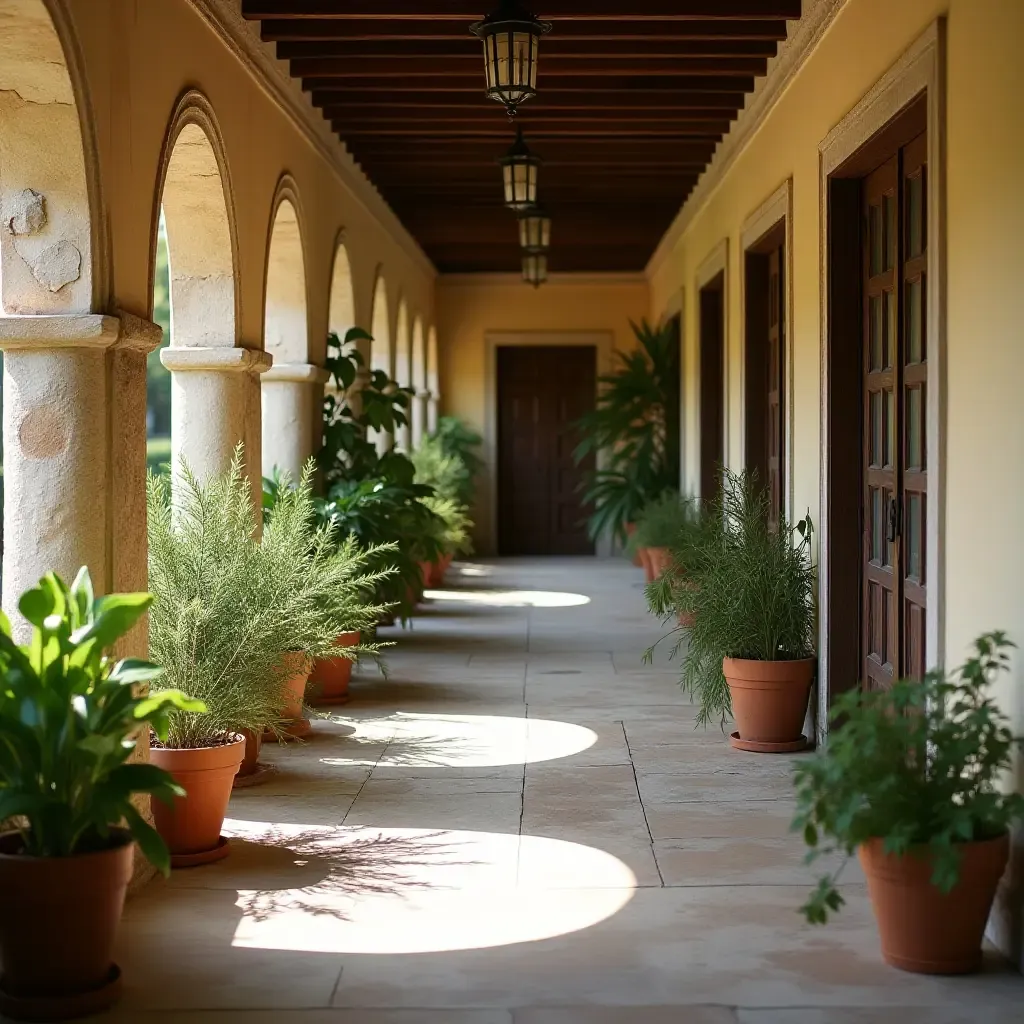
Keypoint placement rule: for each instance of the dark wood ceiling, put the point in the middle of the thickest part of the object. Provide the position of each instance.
(632, 98)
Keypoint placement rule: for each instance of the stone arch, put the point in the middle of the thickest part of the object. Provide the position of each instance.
(285, 321)
(52, 224)
(341, 311)
(194, 191)
(419, 356)
(403, 346)
(380, 328)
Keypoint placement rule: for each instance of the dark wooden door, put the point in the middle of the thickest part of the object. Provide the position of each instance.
(895, 384)
(712, 384)
(774, 409)
(542, 391)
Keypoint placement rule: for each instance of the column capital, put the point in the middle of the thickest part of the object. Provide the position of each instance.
(298, 373)
(95, 331)
(235, 359)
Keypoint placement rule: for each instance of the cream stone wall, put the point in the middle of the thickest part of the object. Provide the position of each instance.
(469, 306)
(982, 545)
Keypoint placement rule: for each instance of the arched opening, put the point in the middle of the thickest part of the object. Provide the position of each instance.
(380, 350)
(285, 325)
(403, 370)
(418, 419)
(433, 382)
(46, 247)
(341, 313)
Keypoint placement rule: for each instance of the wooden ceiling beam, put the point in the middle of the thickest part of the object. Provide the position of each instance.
(428, 123)
(604, 82)
(607, 130)
(579, 10)
(364, 31)
(447, 67)
(344, 97)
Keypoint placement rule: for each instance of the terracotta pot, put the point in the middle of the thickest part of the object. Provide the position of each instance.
(296, 673)
(645, 561)
(191, 825)
(923, 929)
(330, 676)
(769, 698)
(253, 746)
(660, 559)
(58, 920)
(630, 530)
(687, 619)
(426, 577)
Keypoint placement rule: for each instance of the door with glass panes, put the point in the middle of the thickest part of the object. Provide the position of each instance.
(894, 583)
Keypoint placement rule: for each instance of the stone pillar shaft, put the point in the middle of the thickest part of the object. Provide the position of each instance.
(292, 416)
(419, 418)
(432, 412)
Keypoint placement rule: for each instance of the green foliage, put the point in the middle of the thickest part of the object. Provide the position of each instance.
(443, 470)
(669, 520)
(69, 718)
(451, 525)
(749, 588)
(456, 440)
(158, 377)
(158, 454)
(918, 766)
(635, 427)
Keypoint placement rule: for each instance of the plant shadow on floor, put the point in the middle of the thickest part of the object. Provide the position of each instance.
(334, 868)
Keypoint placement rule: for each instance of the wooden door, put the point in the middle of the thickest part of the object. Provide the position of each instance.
(542, 391)
(712, 384)
(774, 428)
(895, 386)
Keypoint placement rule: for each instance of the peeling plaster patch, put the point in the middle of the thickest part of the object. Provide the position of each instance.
(58, 265)
(43, 433)
(28, 212)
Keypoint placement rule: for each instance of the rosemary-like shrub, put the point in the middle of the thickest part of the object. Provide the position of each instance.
(664, 522)
(749, 589)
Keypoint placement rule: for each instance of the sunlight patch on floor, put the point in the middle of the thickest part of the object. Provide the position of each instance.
(388, 890)
(461, 741)
(511, 598)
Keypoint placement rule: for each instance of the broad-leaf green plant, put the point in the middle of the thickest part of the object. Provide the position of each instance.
(919, 766)
(70, 716)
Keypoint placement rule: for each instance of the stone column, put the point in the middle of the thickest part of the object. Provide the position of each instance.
(418, 417)
(215, 403)
(292, 416)
(432, 412)
(74, 429)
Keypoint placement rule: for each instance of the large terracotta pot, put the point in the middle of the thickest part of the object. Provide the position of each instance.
(769, 702)
(630, 530)
(922, 928)
(58, 921)
(660, 560)
(191, 825)
(330, 677)
(645, 562)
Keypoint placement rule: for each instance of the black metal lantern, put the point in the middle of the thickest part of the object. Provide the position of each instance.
(534, 230)
(535, 268)
(519, 173)
(511, 38)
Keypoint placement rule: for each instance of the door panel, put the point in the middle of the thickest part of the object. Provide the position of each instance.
(895, 389)
(542, 391)
(712, 384)
(774, 425)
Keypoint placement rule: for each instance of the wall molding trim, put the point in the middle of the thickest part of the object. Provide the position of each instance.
(241, 37)
(582, 279)
(782, 69)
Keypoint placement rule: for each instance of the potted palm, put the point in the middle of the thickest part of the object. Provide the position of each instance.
(911, 781)
(227, 608)
(69, 720)
(750, 595)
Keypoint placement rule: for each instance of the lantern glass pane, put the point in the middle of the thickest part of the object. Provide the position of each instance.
(506, 172)
(545, 232)
(501, 61)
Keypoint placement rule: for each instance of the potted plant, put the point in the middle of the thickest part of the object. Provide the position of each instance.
(227, 606)
(750, 594)
(911, 780)
(659, 527)
(69, 720)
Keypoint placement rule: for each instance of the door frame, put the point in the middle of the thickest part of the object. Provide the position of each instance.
(603, 341)
(920, 71)
(775, 210)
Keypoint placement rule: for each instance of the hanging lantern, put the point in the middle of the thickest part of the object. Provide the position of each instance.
(511, 38)
(534, 230)
(535, 268)
(519, 173)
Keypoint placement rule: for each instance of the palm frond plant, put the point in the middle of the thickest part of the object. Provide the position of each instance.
(70, 717)
(750, 591)
(458, 441)
(912, 780)
(633, 430)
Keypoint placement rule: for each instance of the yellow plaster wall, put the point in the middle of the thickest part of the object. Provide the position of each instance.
(468, 307)
(138, 58)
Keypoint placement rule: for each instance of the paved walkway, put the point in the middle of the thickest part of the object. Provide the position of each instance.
(521, 826)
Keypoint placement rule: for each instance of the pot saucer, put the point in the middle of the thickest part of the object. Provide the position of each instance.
(759, 747)
(264, 773)
(296, 729)
(341, 698)
(195, 860)
(63, 1007)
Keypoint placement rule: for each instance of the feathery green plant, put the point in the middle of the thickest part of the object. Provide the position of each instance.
(662, 522)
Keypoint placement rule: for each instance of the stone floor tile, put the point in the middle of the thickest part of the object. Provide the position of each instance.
(658, 789)
(751, 819)
(881, 1015)
(485, 812)
(567, 741)
(627, 1015)
(578, 861)
(333, 1016)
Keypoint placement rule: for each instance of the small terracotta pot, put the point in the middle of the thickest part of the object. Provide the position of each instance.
(330, 676)
(660, 559)
(923, 929)
(630, 529)
(645, 562)
(253, 746)
(426, 577)
(191, 825)
(58, 922)
(296, 665)
(769, 698)
(687, 619)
